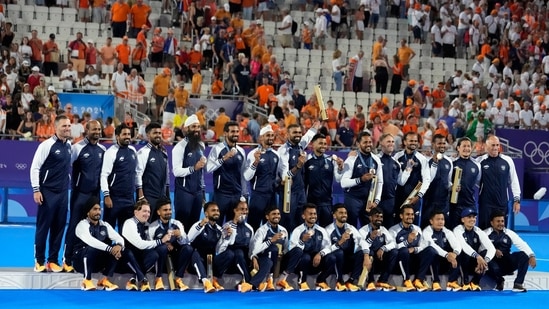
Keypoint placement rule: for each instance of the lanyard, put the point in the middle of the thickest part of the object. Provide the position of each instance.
(368, 166)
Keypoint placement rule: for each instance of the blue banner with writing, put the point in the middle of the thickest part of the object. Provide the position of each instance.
(98, 105)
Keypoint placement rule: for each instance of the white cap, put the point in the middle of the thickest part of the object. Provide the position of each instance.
(197, 47)
(227, 7)
(266, 129)
(272, 118)
(191, 120)
(90, 41)
(258, 21)
(26, 62)
(51, 88)
(319, 10)
(3, 88)
(35, 69)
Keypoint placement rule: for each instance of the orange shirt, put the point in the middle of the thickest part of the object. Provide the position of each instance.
(108, 134)
(312, 110)
(239, 42)
(259, 50)
(248, 3)
(266, 57)
(221, 14)
(43, 129)
(247, 35)
(376, 50)
(139, 54)
(289, 119)
(398, 69)
(195, 58)
(409, 128)
(123, 52)
(49, 45)
(485, 49)
(404, 54)
(438, 96)
(307, 35)
(332, 118)
(107, 54)
(237, 23)
(181, 97)
(161, 84)
(119, 12)
(217, 87)
(157, 44)
(80, 46)
(139, 15)
(196, 83)
(167, 133)
(263, 93)
(411, 110)
(201, 118)
(220, 122)
(281, 135)
(142, 38)
(83, 4)
(307, 124)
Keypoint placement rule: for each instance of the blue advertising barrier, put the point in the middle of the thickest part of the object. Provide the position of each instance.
(98, 105)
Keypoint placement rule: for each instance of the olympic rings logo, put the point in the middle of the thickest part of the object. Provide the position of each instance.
(537, 153)
(21, 166)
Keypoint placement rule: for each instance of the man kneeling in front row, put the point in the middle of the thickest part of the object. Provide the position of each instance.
(99, 247)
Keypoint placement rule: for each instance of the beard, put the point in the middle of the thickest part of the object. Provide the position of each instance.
(194, 140)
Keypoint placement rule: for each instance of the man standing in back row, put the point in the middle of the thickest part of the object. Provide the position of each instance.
(118, 178)
(188, 160)
(153, 181)
(49, 176)
(87, 159)
(498, 171)
(227, 163)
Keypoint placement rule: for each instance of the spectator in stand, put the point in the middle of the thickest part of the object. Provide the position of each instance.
(405, 55)
(34, 78)
(120, 13)
(526, 117)
(321, 29)
(83, 7)
(118, 84)
(138, 17)
(139, 54)
(161, 85)
(541, 118)
(307, 35)
(436, 38)
(337, 70)
(285, 29)
(345, 136)
(157, 48)
(77, 54)
(107, 54)
(449, 35)
(241, 77)
(359, 21)
(170, 48)
(99, 11)
(27, 127)
(69, 77)
(381, 68)
(196, 82)
(36, 46)
(51, 56)
(91, 54)
(182, 59)
(396, 80)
